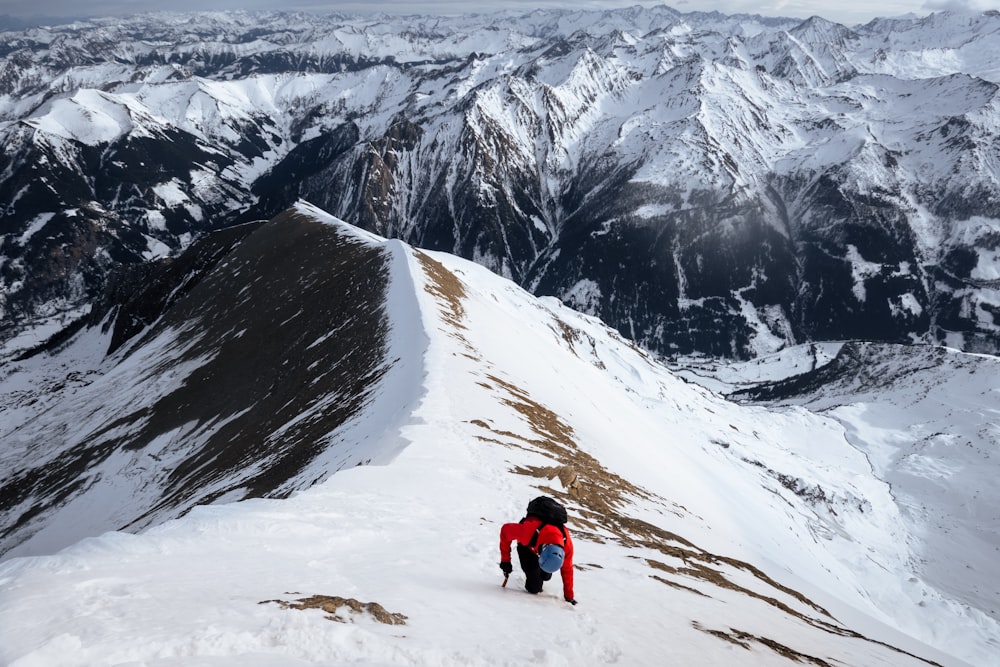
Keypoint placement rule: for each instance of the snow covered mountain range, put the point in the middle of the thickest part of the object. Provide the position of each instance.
(704, 183)
(839, 511)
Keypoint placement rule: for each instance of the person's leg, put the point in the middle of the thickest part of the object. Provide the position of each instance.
(532, 573)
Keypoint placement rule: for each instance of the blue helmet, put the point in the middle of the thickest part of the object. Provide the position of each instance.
(550, 558)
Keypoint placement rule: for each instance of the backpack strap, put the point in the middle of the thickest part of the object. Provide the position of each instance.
(534, 538)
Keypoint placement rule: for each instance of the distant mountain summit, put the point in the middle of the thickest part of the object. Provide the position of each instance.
(713, 184)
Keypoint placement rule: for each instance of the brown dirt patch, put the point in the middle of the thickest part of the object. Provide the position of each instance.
(746, 640)
(445, 287)
(335, 605)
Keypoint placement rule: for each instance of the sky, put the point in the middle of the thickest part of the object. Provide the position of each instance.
(848, 11)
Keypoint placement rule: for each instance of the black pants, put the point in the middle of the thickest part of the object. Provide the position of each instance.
(533, 575)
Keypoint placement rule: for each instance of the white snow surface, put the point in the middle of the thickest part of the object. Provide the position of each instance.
(478, 387)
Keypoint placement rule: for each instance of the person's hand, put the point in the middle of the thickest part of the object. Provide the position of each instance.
(571, 601)
(506, 568)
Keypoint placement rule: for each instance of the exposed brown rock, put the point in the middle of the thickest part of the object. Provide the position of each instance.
(333, 604)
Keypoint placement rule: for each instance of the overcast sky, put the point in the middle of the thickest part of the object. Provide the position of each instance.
(844, 11)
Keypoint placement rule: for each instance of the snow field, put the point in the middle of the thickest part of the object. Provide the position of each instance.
(187, 592)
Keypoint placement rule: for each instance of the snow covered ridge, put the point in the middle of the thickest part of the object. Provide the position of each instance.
(219, 379)
(704, 183)
(713, 531)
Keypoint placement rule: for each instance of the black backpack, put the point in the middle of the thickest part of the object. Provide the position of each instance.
(550, 512)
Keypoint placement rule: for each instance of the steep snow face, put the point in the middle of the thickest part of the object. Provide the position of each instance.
(761, 532)
(729, 185)
(236, 372)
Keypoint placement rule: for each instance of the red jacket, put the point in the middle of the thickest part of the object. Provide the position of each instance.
(522, 534)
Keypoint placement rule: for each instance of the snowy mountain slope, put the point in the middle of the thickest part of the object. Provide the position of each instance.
(924, 417)
(705, 530)
(927, 421)
(748, 183)
(236, 385)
